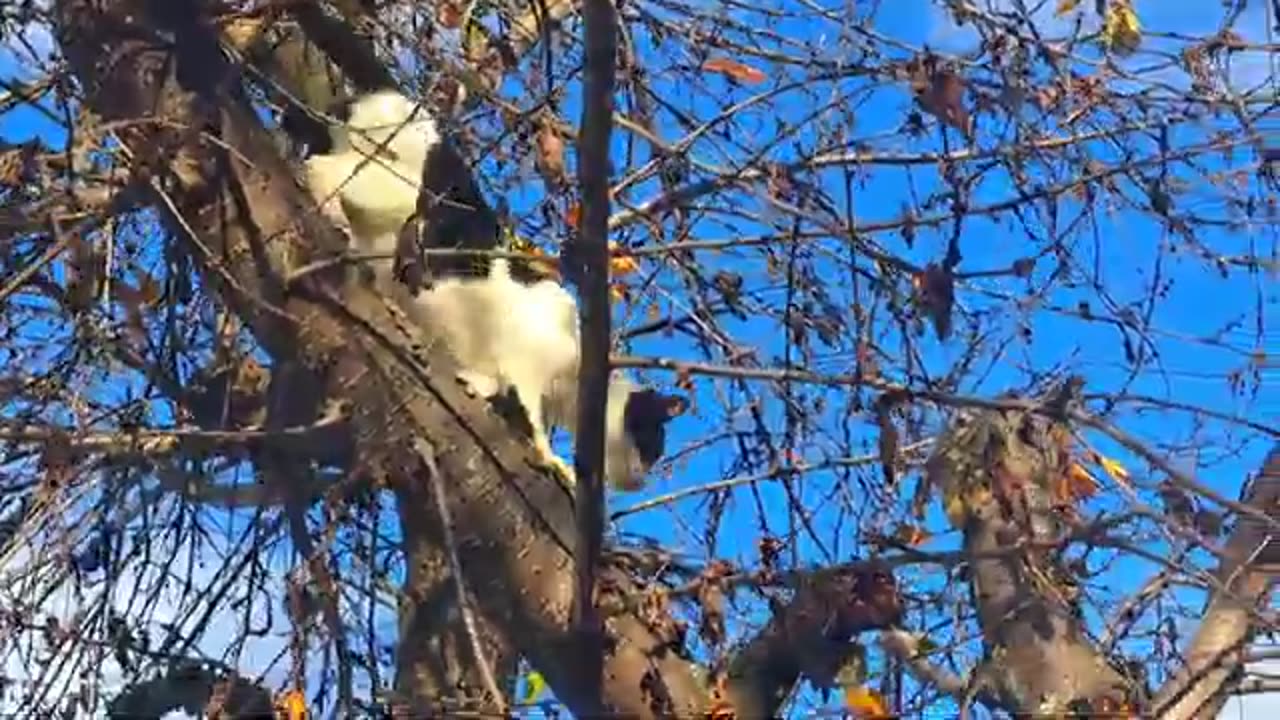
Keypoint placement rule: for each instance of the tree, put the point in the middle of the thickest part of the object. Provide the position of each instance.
(928, 292)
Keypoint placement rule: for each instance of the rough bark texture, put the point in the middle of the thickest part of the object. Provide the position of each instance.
(997, 471)
(1247, 577)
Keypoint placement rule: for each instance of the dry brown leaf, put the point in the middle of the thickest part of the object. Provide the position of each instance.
(449, 14)
(711, 601)
(12, 165)
(550, 157)
(684, 379)
(935, 290)
(1079, 485)
(888, 441)
(941, 94)
(1065, 6)
(734, 69)
(911, 535)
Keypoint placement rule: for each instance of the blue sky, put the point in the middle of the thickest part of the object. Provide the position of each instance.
(1199, 303)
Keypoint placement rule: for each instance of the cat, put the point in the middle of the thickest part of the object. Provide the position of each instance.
(506, 332)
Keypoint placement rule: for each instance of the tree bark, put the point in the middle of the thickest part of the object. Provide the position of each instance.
(997, 472)
(1246, 576)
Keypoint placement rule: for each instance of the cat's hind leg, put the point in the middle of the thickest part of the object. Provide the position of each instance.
(532, 396)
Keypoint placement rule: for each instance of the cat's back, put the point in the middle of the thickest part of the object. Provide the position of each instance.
(550, 307)
(463, 311)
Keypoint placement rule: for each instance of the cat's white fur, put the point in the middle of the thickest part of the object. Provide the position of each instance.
(509, 335)
(504, 334)
(369, 185)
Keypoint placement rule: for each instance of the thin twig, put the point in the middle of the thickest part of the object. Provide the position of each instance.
(427, 453)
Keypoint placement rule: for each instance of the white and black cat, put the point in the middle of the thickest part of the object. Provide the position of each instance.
(505, 333)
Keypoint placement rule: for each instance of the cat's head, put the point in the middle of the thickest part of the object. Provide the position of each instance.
(644, 426)
(374, 117)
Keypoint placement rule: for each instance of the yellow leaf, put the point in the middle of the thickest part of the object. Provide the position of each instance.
(1114, 469)
(621, 263)
(1120, 28)
(292, 705)
(954, 505)
(534, 684)
(1064, 7)
(474, 40)
(865, 703)
(241, 32)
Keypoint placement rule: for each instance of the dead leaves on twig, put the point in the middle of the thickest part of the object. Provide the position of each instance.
(935, 294)
(889, 440)
(57, 460)
(549, 158)
(1076, 484)
(86, 272)
(711, 600)
(940, 92)
(17, 164)
(655, 610)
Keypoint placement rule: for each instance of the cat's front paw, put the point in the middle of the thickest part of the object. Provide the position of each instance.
(478, 384)
(556, 464)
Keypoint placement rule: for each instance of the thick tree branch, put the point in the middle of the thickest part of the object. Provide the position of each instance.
(810, 636)
(1247, 577)
(348, 50)
(998, 473)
